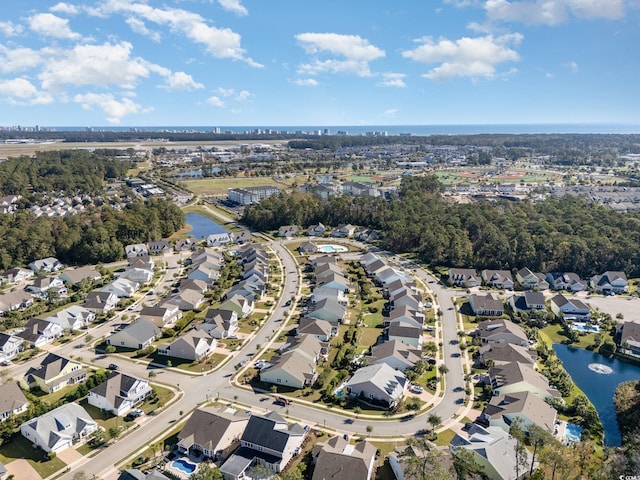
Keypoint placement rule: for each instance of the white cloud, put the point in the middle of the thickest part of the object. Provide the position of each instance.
(233, 6)
(10, 29)
(52, 26)
(215, 101)
(391, 113)
(244, 95)
(97, 65)
(549, 75)
(306, 82)
(354, 53)
(552, 12)
(393, 80)
(182, 81)
(219, 42)
(572, 66)
(62, 7)
(466, 57)
(140, 28)
(18, 59)
(20, 91)
(114, 109)
(225, 92)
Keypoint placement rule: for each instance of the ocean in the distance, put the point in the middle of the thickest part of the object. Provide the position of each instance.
(418, 130)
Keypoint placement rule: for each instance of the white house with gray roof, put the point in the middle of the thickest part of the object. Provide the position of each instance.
(137, 335)
(119, 393)
(378, 384)
(12, 400)
(58, 429)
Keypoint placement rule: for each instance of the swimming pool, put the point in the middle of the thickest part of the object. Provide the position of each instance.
(572, 433)
(580, 327)
(184, 466)
(332, 248)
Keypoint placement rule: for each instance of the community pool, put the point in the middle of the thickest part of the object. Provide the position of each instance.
(572, 433)
(184, 465)
(332, 248)
(581, 327)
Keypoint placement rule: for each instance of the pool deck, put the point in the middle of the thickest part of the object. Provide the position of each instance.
(176, 471)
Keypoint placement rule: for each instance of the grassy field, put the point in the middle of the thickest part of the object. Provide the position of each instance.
(219, 186)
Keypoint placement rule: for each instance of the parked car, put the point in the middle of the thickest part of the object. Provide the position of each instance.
(113, 366)
(416, 389)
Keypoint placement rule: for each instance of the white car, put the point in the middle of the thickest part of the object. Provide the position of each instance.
(416, 389)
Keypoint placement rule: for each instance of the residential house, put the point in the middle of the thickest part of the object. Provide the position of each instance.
(497, 279)
(338, 459)
(374, 267)
(504, 410)
(243, 238)
(321, 329)
(136, 250)
(145, 263)
(368, 258)
(268, 441)
(193, 345)
(528, 301)
(205, 272)
(404, 332)
(38, 332)
(316, 230)
(76, 275)
(398, 286)
(16, 275)
(137, 335)
(492, 450)
(529, 280)
(295, 366)
(218, 239)
(610, 282)
(566, 281)
(344, 231)
(335, 294)
(630, 339)
(327, 309)
(501, 331)
(10, 346)
(160, 247)
(119, 393)
(570, 308)
(308, 247)
(60, 428)
(389, 275)
(501, 353)
(53, 373)
(253, 289)
(138, 275)
(12, 400)
(486, 305)
(212, 432)
(520, 377)
(48, 265)
(220, 323)
(47, 287)
(163, 316)
(333, 280)
(72, 318)
(186, 244)
(395, 354)
(135, 474)
(15, 300)
(241, 305)
(197, 285)
(464, 277)
(379, 385)
(406, 315)
(407, 298)
(100, 302)
(186, 300)
(288, 231)
(121, 288)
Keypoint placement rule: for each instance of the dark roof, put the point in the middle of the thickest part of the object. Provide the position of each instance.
(269, 431)
(207, 426)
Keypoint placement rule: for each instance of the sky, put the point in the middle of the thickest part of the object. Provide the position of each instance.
(329, 62)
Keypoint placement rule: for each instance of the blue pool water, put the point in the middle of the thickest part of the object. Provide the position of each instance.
(584, 328)
(332, 248)
(572, 433)
(184, 466)
(201, 226)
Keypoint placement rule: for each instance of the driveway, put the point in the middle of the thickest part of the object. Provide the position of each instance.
(23, 470)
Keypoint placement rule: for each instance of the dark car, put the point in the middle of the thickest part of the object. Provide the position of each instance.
(113, 366)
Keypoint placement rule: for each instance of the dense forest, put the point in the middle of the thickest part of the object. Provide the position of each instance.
(71, 171)
(566, 234)
(97, 236)
(627, 402)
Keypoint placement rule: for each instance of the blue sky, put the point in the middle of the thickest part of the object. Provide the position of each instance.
(329, 62)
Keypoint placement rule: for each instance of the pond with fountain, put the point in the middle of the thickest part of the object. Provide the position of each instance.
(598, 376)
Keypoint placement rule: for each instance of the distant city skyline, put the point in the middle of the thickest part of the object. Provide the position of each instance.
(329, 63)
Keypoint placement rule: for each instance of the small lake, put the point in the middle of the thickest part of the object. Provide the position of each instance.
(201, 226)
(599, 387)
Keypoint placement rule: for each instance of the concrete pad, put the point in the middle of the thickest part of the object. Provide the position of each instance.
(69, 456)
(22, 469)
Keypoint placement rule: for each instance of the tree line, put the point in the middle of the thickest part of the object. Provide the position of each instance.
(557, 234)
(96, 236)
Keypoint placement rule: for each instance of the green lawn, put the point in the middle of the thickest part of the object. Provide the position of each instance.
(444, 438)
(219, 186)
(20, 447)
